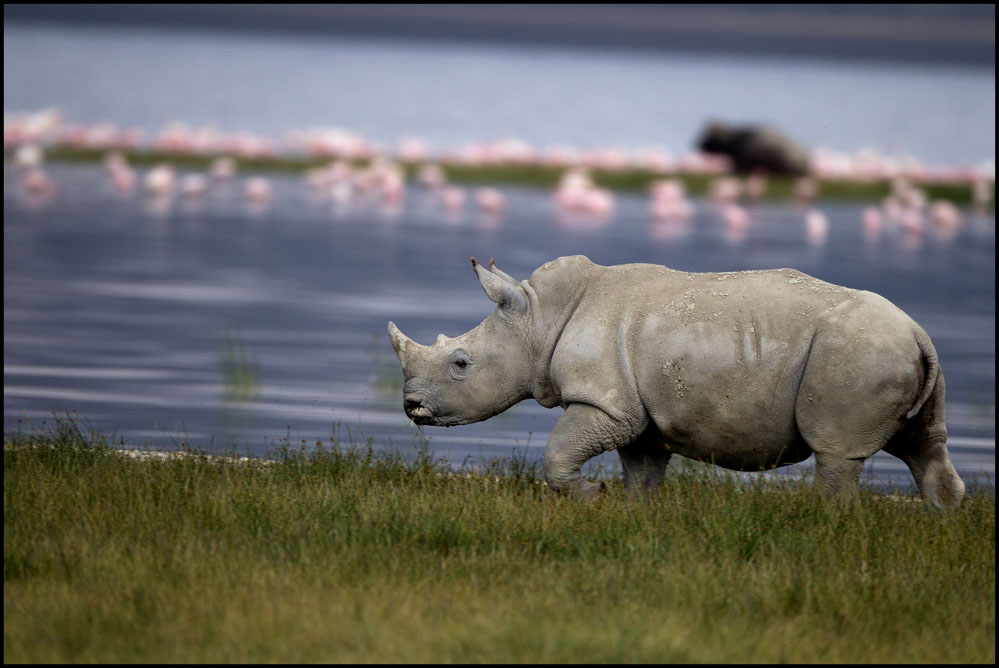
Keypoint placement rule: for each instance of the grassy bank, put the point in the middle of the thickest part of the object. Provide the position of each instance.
(539, 176)
(344, 556)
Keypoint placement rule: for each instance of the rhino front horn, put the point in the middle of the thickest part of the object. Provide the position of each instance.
(399, 341)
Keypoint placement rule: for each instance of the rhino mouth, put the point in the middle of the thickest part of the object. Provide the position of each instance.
(417, 411)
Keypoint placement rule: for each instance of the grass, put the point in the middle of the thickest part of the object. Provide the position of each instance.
(540, 176)
(338, 554)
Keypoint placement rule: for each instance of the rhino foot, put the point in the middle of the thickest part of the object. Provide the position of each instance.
(590, 492)
(583, 432)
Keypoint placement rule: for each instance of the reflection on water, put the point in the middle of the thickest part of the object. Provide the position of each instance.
(240, 371)
(167, 320)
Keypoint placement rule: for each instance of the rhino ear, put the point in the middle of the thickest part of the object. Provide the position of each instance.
(506, 277)
(507, 295)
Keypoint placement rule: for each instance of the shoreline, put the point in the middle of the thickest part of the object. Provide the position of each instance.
(630, 179)
(869, 485)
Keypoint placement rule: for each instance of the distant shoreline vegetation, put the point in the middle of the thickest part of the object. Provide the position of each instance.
(632, 180)
(31, 138)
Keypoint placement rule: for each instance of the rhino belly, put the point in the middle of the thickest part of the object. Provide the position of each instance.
(717, 400)
(739, 452)
(739, 435)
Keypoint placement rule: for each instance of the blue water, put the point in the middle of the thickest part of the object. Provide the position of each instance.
(121, 309)
(219, 324)
(451, 94)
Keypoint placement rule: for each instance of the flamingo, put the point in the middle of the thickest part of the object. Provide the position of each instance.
(576, 193)
(222, 168)
(669, 201)
(816, 227)
(655, 159)
(193, 185)
(115, 161)
(258, 189)
(725, 190)
(453, 198)
(432, 176)
(392, 187)
(912, 222)
(490, 200)
(872, 222)
(160, 180)
(946, 218)
(680, 209)
(123, 179)
(667, 190)
(599, 202)
(756, 185)
(36, 182)
(28, 156)
(121, 174)
(571, 191)
(413, 149)
(982, 192)
(736, 221)
(805, 189)
(319, 178)
(341, 192)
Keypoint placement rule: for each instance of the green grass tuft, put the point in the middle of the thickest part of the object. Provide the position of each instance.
(341, 554)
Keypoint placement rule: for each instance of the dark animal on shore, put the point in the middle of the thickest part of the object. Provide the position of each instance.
(755, 148)
(748, 370)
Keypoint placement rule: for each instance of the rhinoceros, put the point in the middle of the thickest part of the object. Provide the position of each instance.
(755, 148)
(748, 370)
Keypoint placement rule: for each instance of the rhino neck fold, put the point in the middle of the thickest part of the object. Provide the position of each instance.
(549, 323)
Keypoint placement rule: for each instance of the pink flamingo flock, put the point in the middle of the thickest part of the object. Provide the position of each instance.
(576, 199)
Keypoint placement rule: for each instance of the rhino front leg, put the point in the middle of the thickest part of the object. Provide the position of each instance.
(583, 432)
(644, 463)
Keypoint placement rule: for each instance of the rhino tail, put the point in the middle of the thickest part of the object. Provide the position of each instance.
(932, 370)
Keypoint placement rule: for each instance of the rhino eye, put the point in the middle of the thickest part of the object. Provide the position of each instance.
(459, 365)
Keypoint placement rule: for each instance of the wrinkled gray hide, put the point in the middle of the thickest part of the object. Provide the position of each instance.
(748, 370)
(754, 148)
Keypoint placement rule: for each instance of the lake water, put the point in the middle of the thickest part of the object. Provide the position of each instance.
(219, 324)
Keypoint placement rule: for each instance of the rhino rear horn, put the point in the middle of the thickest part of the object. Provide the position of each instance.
(505, 294)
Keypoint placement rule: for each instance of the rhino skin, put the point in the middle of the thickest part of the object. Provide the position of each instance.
(755, 148)
(748, 370)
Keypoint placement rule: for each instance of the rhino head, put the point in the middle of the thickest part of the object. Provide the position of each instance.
(716, 138)
(474, 376)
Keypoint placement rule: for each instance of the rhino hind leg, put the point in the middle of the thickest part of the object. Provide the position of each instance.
(839, 476)
(644, 463)
(846, 410)
(843, 440)
(583, 432)
(922, 445)
(935, 475)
